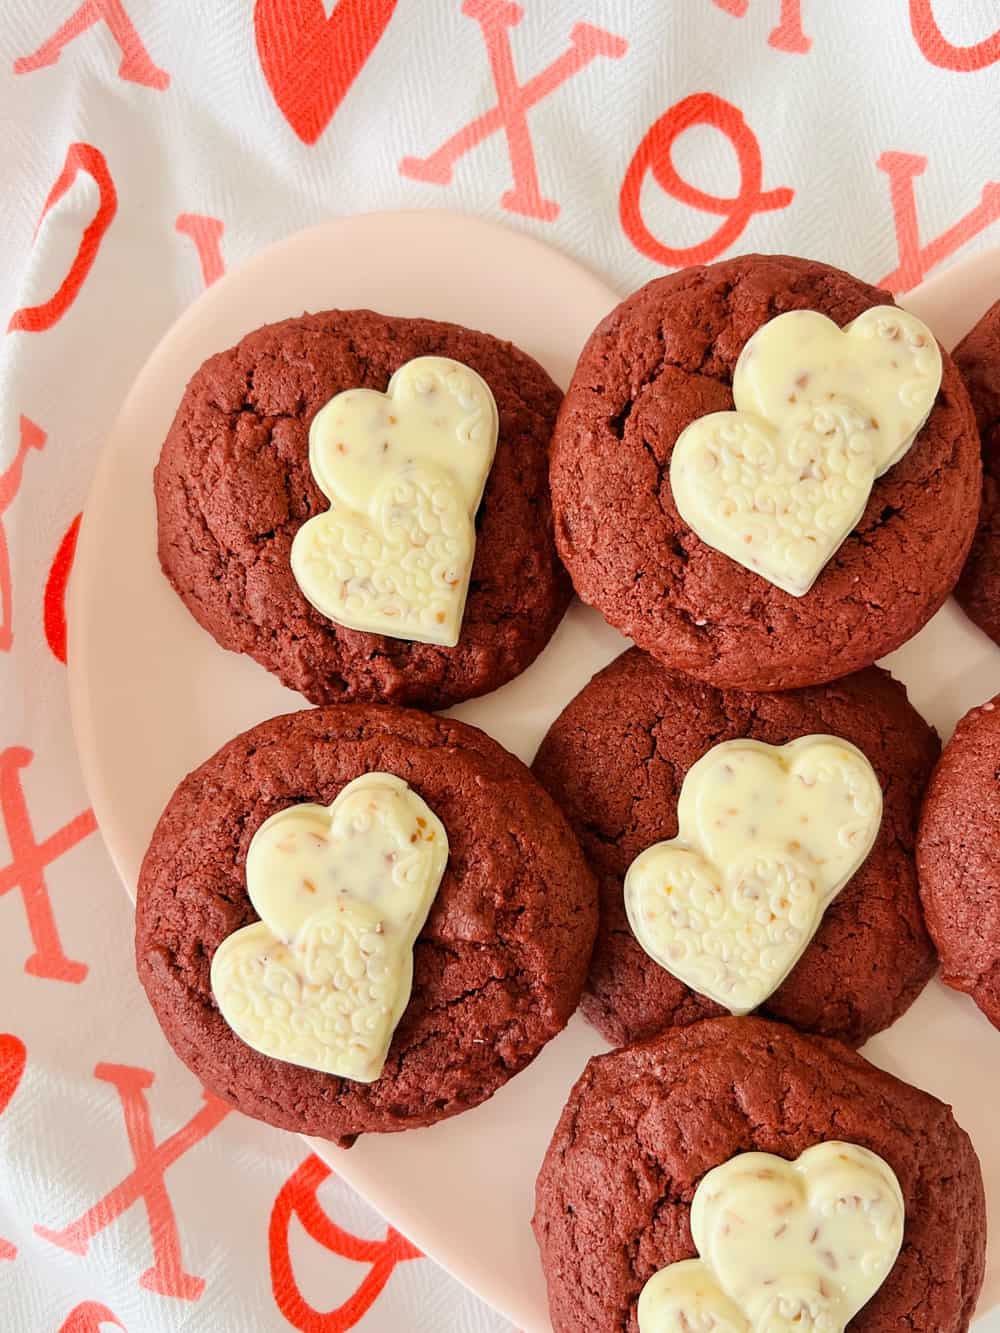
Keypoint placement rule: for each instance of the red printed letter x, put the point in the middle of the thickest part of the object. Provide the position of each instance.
(166, 1276)
(32, 437)
(514, 100)
(27, 869)
(136, 65)
(206, 232)
(916, 260)
(788, 35)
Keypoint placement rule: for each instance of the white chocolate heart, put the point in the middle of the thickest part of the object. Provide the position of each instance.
(779, 483)
(786, 1247)
(767, 837)
(685, 1298)
(404, 472)
(343, 892)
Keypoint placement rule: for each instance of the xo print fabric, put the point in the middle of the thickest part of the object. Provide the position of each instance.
(149, 146)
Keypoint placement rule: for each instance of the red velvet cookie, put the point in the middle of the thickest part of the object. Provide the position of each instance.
(643, 1125)
(978, 358)
(662, 359)
(498, 967)
(615, 759)
(234, 486)
(958, 858)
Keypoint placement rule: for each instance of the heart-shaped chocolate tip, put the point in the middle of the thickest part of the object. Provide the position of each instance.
(404, 472)
(786, 1247)
(821, 412)
(342, 892)
(767, 837)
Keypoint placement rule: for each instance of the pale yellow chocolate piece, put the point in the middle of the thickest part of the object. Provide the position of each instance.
(685, 1298)
(768, 836)
(821, 412)
(786, 1247)
(404, 472)
(343, 892)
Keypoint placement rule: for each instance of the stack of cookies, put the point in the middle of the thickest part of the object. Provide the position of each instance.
(738, 849)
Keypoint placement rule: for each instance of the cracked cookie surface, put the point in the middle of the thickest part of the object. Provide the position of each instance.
(958, 858)
(643, 1125)
(615, 759)
(498, 967)
(978, 358)
(233, 486)
(666, 356)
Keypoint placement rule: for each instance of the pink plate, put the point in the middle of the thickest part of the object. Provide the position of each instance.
(152, 696)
